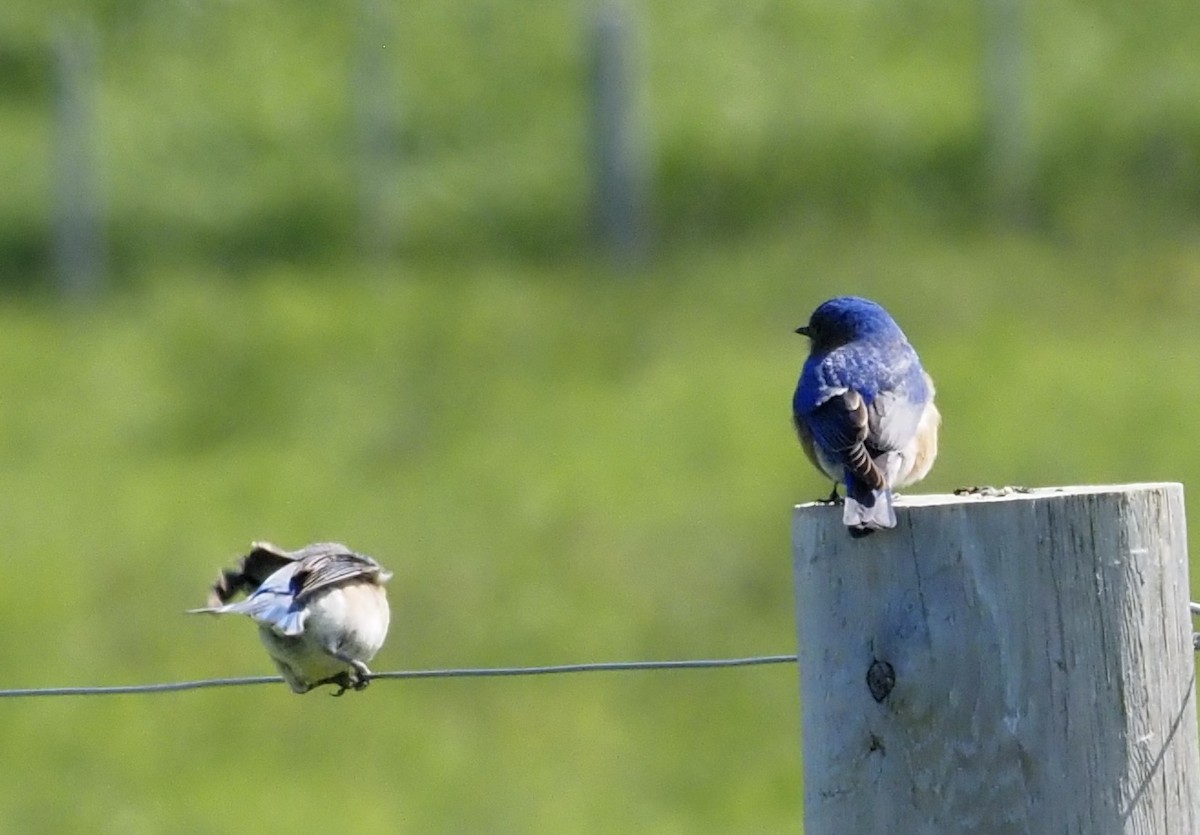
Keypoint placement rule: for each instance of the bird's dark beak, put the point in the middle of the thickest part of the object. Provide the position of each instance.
(803, 330)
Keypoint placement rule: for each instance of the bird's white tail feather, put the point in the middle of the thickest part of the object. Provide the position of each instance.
(880, 515)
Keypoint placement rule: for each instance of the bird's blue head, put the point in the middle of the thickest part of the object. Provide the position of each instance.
(846, 319)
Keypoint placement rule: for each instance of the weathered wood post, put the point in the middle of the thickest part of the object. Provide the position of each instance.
(1008, 136)
(78, 244)
(374, 95)
(1017, 663)
(620, 170)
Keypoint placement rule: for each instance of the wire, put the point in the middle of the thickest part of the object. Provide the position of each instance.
(120, 689)
(456, 672)
(462, 672)
(595, 667)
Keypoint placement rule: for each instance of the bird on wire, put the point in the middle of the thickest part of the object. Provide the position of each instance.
(863, 408)
(322, 611)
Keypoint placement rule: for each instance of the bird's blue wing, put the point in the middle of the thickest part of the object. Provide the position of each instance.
(835, 413)
(838, 423)
(273, 604)
(826, 403)
(840, 426)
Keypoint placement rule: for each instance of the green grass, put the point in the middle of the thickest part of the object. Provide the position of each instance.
(558, 465)
(561, 462)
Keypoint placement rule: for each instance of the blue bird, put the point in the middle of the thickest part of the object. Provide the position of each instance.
(863, 408)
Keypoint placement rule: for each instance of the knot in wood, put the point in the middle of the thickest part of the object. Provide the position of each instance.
(881, 678)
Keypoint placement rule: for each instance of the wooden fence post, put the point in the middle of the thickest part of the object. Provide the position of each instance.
(78, 243)
(619, 158)
(1015, 663)
(374, 96)
(1007, 120)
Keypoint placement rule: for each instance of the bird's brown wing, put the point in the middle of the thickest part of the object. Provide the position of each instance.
(250, 572)
(328, 564)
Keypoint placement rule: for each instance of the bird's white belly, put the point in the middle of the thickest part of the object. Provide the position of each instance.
(918, 454)
(349, 620)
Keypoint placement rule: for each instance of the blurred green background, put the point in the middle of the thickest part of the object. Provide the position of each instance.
(350, 290)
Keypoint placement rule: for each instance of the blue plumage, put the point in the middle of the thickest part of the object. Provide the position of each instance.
(275, 604)
(863, 408)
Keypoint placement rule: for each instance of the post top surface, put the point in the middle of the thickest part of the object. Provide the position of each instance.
(970, 495)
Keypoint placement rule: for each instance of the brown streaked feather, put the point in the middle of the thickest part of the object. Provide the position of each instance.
(264, 559)
(250, 572)
(858, 459)
(328, 568)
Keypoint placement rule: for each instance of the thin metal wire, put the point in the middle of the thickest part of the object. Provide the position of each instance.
(461, 672)
(456, 672)
(594, 667)
(120, 689)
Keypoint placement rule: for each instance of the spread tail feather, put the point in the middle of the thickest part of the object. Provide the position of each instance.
(275, 611)
(868, 510)
(205, 610)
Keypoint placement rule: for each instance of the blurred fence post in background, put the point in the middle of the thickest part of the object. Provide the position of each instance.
(1014, 664)
(374, 99)
(78, 245)
(620, 158)
(1009, 147)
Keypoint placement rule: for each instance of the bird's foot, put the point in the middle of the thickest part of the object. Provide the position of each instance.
(356, 680)
(343, 681)
(833, 498)
(361, 676)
